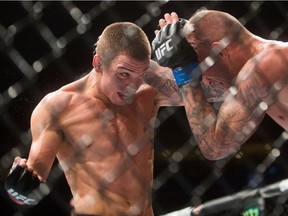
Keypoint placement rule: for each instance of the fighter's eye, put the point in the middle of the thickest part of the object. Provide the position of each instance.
(124, 75)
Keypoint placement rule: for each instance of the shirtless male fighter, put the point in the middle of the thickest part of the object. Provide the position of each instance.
(100, 128)
(247, 72)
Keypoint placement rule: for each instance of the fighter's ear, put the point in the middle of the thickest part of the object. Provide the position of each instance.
(220, 49)
(97, 63)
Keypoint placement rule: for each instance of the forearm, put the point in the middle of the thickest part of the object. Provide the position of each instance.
(216, 140)
(162, 79)
(40, 168)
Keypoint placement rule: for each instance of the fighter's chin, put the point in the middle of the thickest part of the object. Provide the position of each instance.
(123, 99)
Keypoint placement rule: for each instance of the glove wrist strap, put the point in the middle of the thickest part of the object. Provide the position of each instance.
(186, 74)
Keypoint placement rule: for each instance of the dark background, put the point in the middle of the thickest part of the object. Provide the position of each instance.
(44, 45)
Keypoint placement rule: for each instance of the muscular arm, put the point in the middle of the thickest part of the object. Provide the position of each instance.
(221, 135)
(25, 176)
(161, 78)
(46, 137)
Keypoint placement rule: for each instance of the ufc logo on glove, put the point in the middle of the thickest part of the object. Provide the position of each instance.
(171, 49)
(20, 199)
(160, 52)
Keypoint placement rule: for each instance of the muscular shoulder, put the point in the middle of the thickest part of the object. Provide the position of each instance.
(266, 67)
(271, 63)
(55, 102)
(52, 105)
(261, 74)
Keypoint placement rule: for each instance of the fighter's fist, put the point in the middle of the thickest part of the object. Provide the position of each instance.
(170, 47)
(21, 183)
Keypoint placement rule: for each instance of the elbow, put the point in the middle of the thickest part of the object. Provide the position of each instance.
(214, 153)
(212, 156)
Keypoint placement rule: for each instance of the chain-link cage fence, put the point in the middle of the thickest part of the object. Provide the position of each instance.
(44, 45)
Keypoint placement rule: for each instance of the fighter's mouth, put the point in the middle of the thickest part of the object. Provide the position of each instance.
(124, 96)
(121, 95)
(128, 93)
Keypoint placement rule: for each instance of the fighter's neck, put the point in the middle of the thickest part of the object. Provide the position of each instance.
(92, 87)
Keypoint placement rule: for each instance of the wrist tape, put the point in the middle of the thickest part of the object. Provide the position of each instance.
(186, 74)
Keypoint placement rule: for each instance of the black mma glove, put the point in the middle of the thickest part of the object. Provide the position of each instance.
(171, 49)
(20, 185)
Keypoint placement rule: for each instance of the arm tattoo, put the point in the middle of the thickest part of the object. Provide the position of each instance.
(162, 82)
(219, 135)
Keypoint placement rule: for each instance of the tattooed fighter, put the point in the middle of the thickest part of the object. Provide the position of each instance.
(245, 71)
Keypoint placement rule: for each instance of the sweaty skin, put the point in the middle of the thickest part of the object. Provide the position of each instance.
(251, 77)
(105, 149)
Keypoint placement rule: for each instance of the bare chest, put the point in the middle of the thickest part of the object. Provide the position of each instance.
(112, 147)
(103, 131)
